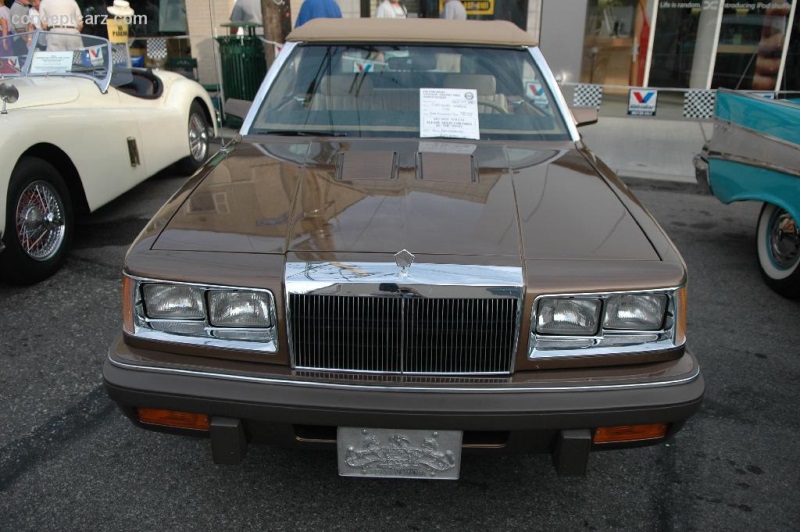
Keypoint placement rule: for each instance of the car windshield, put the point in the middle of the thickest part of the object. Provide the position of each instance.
(56, 54)
(411, 91)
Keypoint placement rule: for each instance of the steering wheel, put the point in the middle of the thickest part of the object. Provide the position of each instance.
(496, 106)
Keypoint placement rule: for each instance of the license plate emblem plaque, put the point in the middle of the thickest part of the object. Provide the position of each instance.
(399, 453)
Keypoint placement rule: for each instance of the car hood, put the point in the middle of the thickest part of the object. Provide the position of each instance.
(542, 201)
(40, 91)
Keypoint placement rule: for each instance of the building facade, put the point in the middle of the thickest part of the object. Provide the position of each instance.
(189, 27)
(700, 44)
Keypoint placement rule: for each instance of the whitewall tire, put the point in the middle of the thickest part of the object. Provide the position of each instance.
(778, 243)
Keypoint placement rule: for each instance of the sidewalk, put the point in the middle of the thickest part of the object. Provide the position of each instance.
(648, 148)
(657, 148)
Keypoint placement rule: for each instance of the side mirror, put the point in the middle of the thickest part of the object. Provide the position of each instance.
(584, 116)
(9, 94)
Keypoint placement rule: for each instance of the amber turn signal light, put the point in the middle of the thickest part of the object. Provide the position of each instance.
(627, 433)
(173, 418)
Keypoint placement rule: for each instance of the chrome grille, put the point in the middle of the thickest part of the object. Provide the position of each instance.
(403, 379)
(437, 336)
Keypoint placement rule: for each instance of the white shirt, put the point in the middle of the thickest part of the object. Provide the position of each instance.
(59, 14)
(454, 10)
(5, 14)
(387, 9)
(34, 18)
(18, 11)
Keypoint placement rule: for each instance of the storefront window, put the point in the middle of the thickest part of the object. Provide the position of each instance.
(515, 11)
(610, 49)
(678, 29)
(152, 18)
(791, 74)
(751, 41)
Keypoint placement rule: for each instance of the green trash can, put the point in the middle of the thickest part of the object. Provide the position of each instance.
(243, 65)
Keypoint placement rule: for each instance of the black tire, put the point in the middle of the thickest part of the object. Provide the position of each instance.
(778, 242)
(39, 223)
(198, 137)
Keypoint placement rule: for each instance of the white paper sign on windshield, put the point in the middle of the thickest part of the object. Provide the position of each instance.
(449, 113)
(51, 62)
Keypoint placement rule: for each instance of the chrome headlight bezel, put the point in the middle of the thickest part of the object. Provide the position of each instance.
(200, 332)
(607, 341)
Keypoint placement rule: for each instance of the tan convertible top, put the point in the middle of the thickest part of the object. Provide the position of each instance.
(424, 30)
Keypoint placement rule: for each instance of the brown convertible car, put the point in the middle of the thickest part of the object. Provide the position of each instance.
(408, 253)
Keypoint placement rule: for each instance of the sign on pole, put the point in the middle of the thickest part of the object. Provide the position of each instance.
(642, 102)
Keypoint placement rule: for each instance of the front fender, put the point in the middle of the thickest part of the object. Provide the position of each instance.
(180, 92)
(13, 143)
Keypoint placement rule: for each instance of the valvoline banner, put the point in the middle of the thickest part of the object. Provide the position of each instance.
(92, 56)
(642, 102)
(534, 90)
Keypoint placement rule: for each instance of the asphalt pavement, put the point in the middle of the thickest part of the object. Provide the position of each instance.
(69, 460)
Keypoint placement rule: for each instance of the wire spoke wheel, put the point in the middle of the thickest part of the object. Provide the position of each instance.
(198, 136)
(40, 221)
(199, 133)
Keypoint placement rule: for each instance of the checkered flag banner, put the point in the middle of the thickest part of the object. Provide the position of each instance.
(119, 54)
(587, 96)
(157, 48)
(699, 104)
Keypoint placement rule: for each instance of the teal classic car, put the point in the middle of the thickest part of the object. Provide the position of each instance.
(754, 154)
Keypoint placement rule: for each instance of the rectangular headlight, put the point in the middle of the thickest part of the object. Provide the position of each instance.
(205, 315)
(635, 312)
(610, 323)
(238, 308)
(173, 302)
(568, 317)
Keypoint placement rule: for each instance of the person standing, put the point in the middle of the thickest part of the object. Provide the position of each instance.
(454, 10)
(5, 30)
(391, 9)
(35, 24)
(247, 11)
(312, 9)
(96, 18)
(19, 16)
(34, 20)
(63, 17)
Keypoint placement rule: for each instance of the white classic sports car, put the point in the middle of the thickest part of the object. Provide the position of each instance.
(76, 131)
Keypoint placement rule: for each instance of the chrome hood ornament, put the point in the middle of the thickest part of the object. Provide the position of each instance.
(404, 259)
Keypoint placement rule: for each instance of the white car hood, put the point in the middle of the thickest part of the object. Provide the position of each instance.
(41, 91)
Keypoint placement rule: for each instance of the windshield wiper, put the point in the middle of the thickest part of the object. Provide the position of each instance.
(301, 133)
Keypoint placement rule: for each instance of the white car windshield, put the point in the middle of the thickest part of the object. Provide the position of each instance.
(56, 54)
(411, 91)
